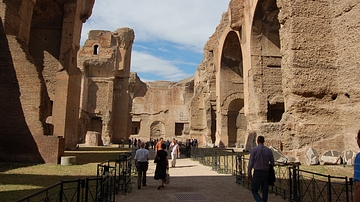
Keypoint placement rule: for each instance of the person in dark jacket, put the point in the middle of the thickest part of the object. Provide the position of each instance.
(161, 165)
(260, 158)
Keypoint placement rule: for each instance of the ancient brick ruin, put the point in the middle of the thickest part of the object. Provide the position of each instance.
(104, 61)
(40, 81)
(283, 69)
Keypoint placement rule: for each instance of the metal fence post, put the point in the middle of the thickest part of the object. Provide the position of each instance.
(78, 191)
(329, 188)
(290, 185)
(61, 191)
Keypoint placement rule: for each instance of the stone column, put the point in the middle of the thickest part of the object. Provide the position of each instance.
(68, 80)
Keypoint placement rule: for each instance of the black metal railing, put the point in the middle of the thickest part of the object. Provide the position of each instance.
(297, 185)
(124, 167)
(310, 186)
(112, 176)
(74, 190)
(107, 186)
(221, 160)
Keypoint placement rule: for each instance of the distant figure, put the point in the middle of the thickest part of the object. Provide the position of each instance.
(135, 143)
(139, 143)
(158, 145)
(161, 166)
(260, 157)
(357, 172)
(175, 151)
(121, 143)
(151, 143)
(188, 148)
(141, 161)
(167, 143)
(195, 143)
(129, 143)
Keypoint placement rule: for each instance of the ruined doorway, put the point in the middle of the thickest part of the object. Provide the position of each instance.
(236, 123)
(96, 124)
(213, 124)
(179, 128)
(135, 128)
(266, 75)
(231, 90)
(157, 130)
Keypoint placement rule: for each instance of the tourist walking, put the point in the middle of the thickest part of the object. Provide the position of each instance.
(162, 164)
(142, 157)
(158, 145)
(260, 158)
(357, 172)
(135, 143)
(188, 148)
(175, 151)
(167, 143)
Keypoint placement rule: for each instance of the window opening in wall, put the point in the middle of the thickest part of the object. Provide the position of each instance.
(96, 124)
(274, 66)
(275, 112)
(179, 128)
(96, 49)
(135, 127)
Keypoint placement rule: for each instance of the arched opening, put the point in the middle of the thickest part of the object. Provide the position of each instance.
(266, 75)
(96, 49)
(231, 83)
(236, 123)
(231, 58)
(157, 130)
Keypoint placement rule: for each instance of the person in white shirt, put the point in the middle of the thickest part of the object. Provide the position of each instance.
(141, 161)
(175, 151)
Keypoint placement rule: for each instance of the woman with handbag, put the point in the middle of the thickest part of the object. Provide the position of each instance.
(162, 163)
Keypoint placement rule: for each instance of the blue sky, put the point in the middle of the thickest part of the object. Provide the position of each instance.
(169, 34)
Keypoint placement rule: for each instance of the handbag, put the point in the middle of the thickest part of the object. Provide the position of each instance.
(156, 159)
(272, 177)
(167, 177)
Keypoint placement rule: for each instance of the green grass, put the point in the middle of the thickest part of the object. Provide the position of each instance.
(20, 180)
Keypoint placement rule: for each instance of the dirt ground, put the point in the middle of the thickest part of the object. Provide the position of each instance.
(191, 181)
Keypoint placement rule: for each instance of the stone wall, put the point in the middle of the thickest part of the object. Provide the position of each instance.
(105, 64)
(161, 109)
(298, 83)
(38, 44)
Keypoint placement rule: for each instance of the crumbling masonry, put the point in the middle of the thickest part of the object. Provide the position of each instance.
(284, 69)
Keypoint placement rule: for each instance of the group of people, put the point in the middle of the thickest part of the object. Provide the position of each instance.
(142, 157)
(261, 160)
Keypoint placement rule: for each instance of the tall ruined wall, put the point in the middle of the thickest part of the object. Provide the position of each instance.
(161, 109)
(203, 103)
(320, 45)
(105, 64)
(31, 34)
(299, 75)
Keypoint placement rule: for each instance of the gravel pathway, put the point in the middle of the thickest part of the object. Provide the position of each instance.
(191, 181)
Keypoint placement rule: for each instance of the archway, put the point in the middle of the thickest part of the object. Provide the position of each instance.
(236, 123)
(157, 130)
(231, 89)
(231, 59)
(266, 75)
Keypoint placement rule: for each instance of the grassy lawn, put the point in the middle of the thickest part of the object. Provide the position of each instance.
(20, 180)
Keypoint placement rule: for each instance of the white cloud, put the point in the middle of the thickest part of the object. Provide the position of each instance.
(146, 63)
(187, 24)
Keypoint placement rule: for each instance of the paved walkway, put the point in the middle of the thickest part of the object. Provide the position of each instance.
(191, 181)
